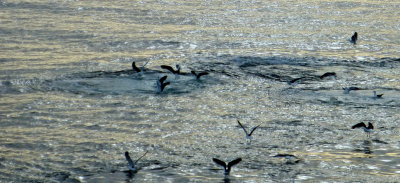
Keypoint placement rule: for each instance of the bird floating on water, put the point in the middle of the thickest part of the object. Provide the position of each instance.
(347, 90)
(228, 167)
(328, 74)
(131, 164)
(161, 85)
(354, 38)
(197, 76)
(248, 135)
(377, 96)
(368, 129)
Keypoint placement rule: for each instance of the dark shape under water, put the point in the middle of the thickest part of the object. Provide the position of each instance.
(227, 168)
(347, 90)
(294, 82)
(328, 74)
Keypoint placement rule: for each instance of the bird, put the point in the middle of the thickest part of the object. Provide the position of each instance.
(248, 135)
(161, 85)
(175, 72)
(227, 168)
(347, 90)
(354, 38)
(328, 74)
(294, 82)
(377, 96)
(197, 76)
(131, 164)
(135, 68)
(368, 129)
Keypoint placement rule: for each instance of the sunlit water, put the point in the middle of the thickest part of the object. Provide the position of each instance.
(71, 105)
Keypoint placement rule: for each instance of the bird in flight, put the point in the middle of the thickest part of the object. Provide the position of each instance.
(368, 129)
(228, 167)
(248, 135)
(131, 164)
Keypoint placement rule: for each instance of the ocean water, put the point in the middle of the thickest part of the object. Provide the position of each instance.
(70, 104)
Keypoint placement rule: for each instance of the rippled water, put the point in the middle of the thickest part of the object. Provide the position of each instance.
(71, 105)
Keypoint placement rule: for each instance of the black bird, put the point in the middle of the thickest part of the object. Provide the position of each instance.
(347, 90)
(328, 74)
(197, 76)
(135, 68)
(177, 71)
(377, 96)
(227, 168)
(131, 164)
(294, 82)
(248, 135)
(354, 38)
(368, 129)
(161, 85)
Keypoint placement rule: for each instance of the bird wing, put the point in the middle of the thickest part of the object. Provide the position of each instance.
(141, 156)
(219, 162)
(194, 73)
(234, 162)
(168, 68)
(128, 158)
(163, 79)
(358, 125)
(134, 67)
(245, 131)
(202, 74)
(254, 129)
(370, 126)
(164, 85)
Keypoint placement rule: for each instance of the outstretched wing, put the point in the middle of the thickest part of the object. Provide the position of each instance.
(134, 67)
(240, 124)
(128, 158)
(234, 162)
(141, 156)
(253, 130)
(164, 85)
(219, 162)
(202, 74)
(168, 68)
(370, 126)
(163, 79)
(358, 125)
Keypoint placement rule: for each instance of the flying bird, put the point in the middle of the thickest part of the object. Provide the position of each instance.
(227, 168)
(248, 135)
(354, 38)
(175, 72)
(161, 85)
(131, 164)
(197, 76)
(377, 96)
(137, 69)
(368, 129)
